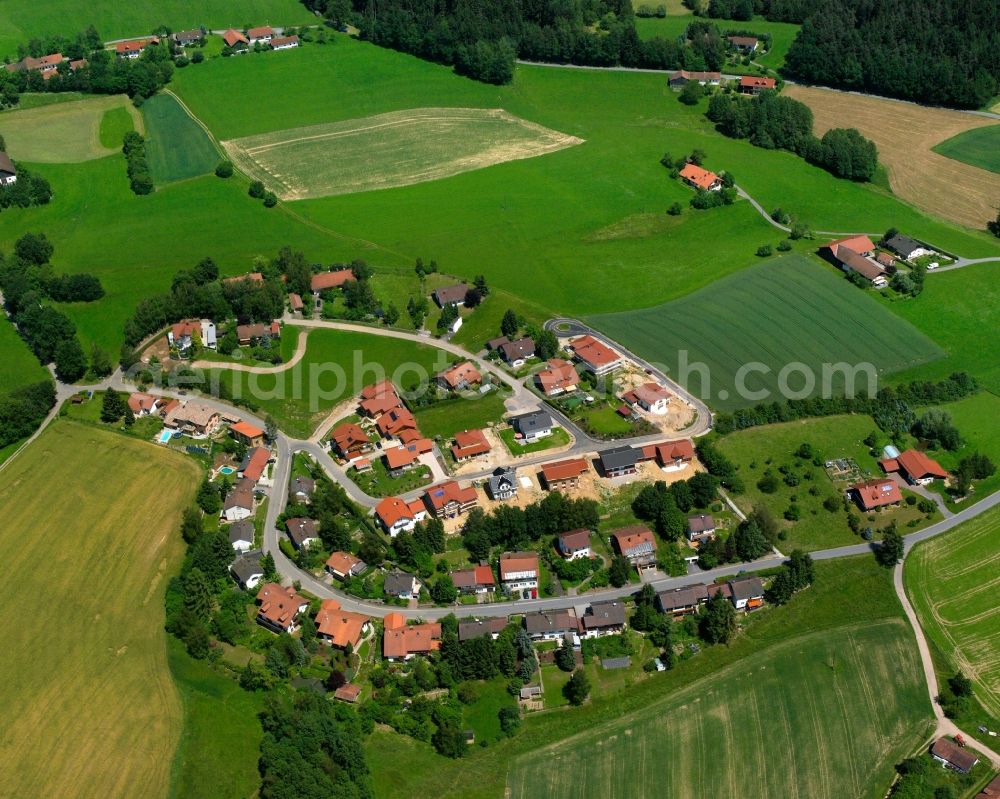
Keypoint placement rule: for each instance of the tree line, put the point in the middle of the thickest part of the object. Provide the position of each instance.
(775, 10)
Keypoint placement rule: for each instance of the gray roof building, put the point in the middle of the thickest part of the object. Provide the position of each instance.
(903, 246)
(502, 484)
(528, 424)
(247, 567)
(618, 458)
(241, 531)
(745, 588)
(303, 487)
(477, 628)
(602, 615)
(451, 295)
(517, 350)
(554, 622)
(301, 530)
(400, 584)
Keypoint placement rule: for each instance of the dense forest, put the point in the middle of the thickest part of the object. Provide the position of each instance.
(775, 10)
(945, 52)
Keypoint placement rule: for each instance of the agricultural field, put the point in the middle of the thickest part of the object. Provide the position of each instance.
(115, 123)
(777, 313)
(979, 147)
(829, 733)
(21, 20)
(389, 150)
(177, 147)
(63, 133)
(906, 135)
(104, 694)
(952, 581)
(18, 364)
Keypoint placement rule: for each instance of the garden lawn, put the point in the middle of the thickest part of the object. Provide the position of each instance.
(558, 438)
(177, 147)
(18, 364)
(786, 311)
(952, 581)
(979, 147)
(482, 716)
(104, 694)
(444, 419)
(378, 482)
(483, 323)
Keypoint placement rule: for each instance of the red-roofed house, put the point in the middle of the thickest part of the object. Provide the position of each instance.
(399, 460)
(862, 245)
(133, 49)
(651, 397)
(263, 34)
(349, 440)
(235, 40)
(595, 356)
(395, 515)
(699, 178)
(341, 628)
(674, 455)
(682, 77)
(519, 572)
(279, 607)
(636, 543)
(750, 84)
(559, 377)
(143, 404)
(915, 466)
(246, 334)
(574, 544)
(47, 65)
(448, 500)
(460, 377)
(469, 444)
(872, 494)
(395, 421)
(255, 464)
(477, 580)
(342, 565)
(563, 474)
(284, 42)
(249, 434)
(295, 302)
(331, 280)
(401, 641)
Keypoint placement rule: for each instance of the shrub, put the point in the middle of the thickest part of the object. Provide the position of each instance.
(224, 169)
(675, 209)
(784, 245)
(270, 199)
(256, 189)
(764, 251)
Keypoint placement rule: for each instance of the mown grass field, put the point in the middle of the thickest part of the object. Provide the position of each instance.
(952, 581)
(115, 123)
(61, 133)
(21, 20)
(784, 311)
(448, 417)
(177, 147)
(92, 570)
(979, 147)
(18, 364)
(802, 719)
(848, 598)
(388, 150)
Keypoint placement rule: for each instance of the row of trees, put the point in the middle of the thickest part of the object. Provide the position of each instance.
(772, 121)
(22, 411)
(666, 507)
(774, 10)
(136, 166)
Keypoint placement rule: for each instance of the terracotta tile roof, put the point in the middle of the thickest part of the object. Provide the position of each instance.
(259, 457)
(440, 496)
(592, 351)
(376, 406)
(751, 82)
(392, 510)
(701, 178)
(246, 429)
(562, 470)
(279, 605)
(574, 539)
(474, 577)
(651, 393)
(515, 562)
(395, 420)
(342, 627)
(857, 244)
(675, 450)
(382, 389)
(186, 327)
(139, 402)
(295, 301)
(634, 540)
(464, 372)
(135, 45)
(469, 443)
(253, 277)
(559, 374)
(263, 30)
(281, 41)
(413, 639)
(398, 457)
(348, 692)
(918, 465)
(232, 37)
(877, 493)
(343, 562)
(347, 435)
(331, 280)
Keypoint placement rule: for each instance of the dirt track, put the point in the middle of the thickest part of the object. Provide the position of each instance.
(904, 134)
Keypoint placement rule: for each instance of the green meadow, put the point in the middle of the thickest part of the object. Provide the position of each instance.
(177, 147)
(18, 364)
(115, 123)
(978, 147)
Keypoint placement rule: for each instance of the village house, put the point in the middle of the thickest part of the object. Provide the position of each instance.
(502, 484)
(950, 755)
(594, 356)
(341, 628)
(460, 377)
(915, 467)
(907, 248)
(401, 585)
(854, 254)
(991, 790)
(479, 628)
(530, 427)
(241, 535)
(674, 455)
(747, 593)
(519, 573)
(875, 494)
(637, 544)
(235, 40)
(885, 260)
(682, 601)
(563, 474)
(295, 303)
(254, 464)
(324, 281)
(186, 38)
(619, 461)
(348, 692)
(8, 172)
(343, 565)
(247, 570)
(239, 502)
(303, 533)
(683, 77)
(401, 459)
(255, 278)
(142, 404)
(469, 444)
(133, 49)
(248, 434)
(395, 422)
(397, 516)
(349, 440)
(193, 418)
(284, 42)
(603, 618)
(301, 489)
(262, 34)
(558, 377)
(47, 65)
(515, 353)
(247, 334)
(477, 580)
(401, 641)
(651, 397)
(750, 84)
(450, 295)
(552, 625)
(745, 44)
(186, 332)
(378, 398)
(279, 608)
(574, 544)
(701, 528)
(448, 500)
(699, 178)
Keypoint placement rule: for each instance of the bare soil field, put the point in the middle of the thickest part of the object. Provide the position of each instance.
(389, 150)
(904, 134)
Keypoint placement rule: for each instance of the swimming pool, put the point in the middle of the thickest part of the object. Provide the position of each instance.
(226, 470)
(165, 436)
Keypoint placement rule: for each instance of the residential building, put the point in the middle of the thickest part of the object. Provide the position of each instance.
(699, 178)
(502, 484)
(247, 433)
(460, 377)
(477, 628)
(186, 332)
(885, 260)
(907, 248)
(574, 544)
(186, 38)
(477, 580)
(241, 535)
(397, 516)
(559, 377)
(448, 500)
(750, 84)
(682, 601)
(674, 455)
(401, 585)
(341, 628)
(701, 528)
(247, 571)
(515, 353)
(745, 44)
(47, 65)
(323, 281)
(401, 641)
(951, 755)
(450, 295)
(747, 593)
(469, 444)
(303, 533)
(551, 625)
(915, 467)
(874, 494)
(651, 397)
(563, 474)
(348, 692)
(142, 404)
(991, 790)
(682, 78)
(871, 270)
(519, 573)
(254, 464)
(301, 489)
(619, 461)
(594, 356)
(343, 565)
(349, 440)
(247, 334)
(262, 34)
(603, 618)
(133, 49)
(399, 459)
(239, 503)
(279, 607)
(284, 42)
(530, 427)
(8, 172)
(378, 398)
(295, 303)
(395, 421)
(636, 543)
(862, 245)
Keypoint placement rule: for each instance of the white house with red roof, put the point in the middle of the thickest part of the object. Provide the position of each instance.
(396, 516)
(699, 178)
(594, 356)
(915, 467)
(519, 573)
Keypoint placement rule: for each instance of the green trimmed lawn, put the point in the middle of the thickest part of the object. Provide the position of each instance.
(978, 147)
(482, 715)
(378, 482)
(444, 419)
(177, 147)
(558, 438)
(115, 123)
